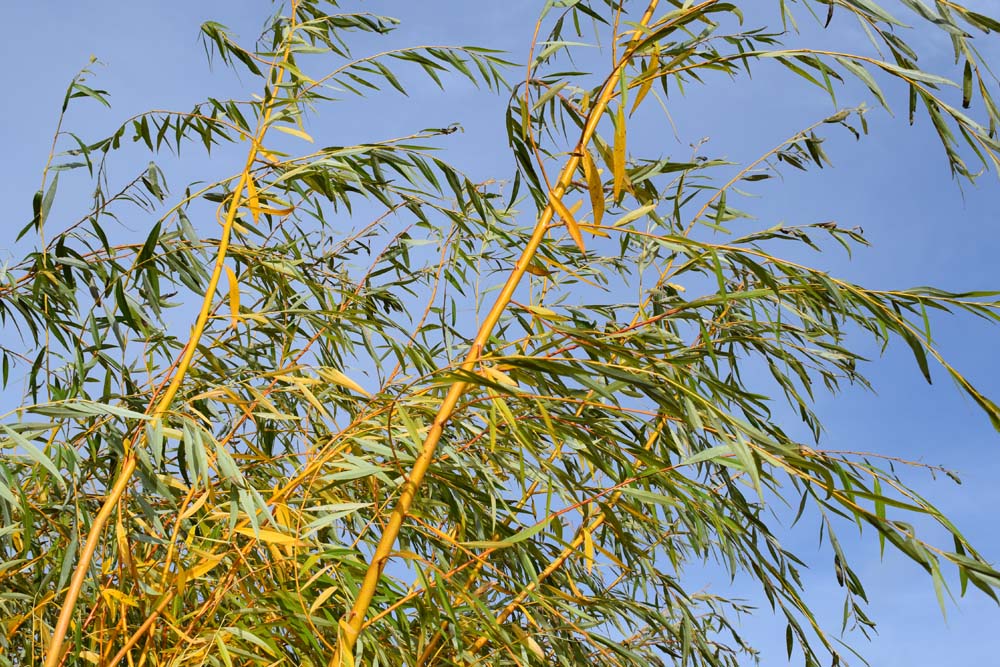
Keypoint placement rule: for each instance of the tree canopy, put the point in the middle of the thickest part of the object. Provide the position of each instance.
(344, 405)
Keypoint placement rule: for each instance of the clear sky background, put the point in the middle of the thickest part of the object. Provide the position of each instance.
(895, 184)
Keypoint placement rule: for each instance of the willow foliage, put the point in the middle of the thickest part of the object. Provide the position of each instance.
(381, 414)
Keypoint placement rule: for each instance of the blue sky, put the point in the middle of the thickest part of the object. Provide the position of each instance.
(895, 184)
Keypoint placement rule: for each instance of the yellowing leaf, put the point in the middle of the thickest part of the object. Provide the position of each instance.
(498, 376)
(618, 154)
(269, 156)
(588, 550)
(193, 508)
(567, 217)
(648, 77)
(596, 230)
(321, 598)
(534, 648)
(211, 393)
(544, 313)
(257, 317)
(112, 594)
(273, 207)
(336, 377)
(574, 589)
(122, 538)
(529, 642)
(270, 536)
(535, 269)
(311, 397)
(607, 554)
(204, 567)
(234, 298)
(253, 201)
(282, 212)
(294, 131)
(282, 514)
(296, 379)
(174, 433)
(631, 216)
(594, 186)
(345, 639)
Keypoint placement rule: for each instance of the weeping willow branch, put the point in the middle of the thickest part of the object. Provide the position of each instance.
(55, 654)
(356, 618)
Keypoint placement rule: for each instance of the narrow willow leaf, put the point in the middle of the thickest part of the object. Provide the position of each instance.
(252, 200)
(227, 466)
(567, 218)
(311, 399)
(551, 92)
(967, 85)
(498, 376)
(710, 454)
(34, 453)
(648, 76)
(234, 298)
(529, 642)
(149, 247)
(280, 212)
(588, 549)
(520, 536)
(70, 559)
(243, 633)
(46, 202)
(192, 509)
(335, 376)
(208, 563)
(5, 489)
(545, 313)
(634, 215)
(879, 511)
(595, 186)
(269, 536)
(866, 78)
(331, 514)
(322, 598)
(227, 658)
(345, 646)
(534, 268)
(618, 155)
(294, 131)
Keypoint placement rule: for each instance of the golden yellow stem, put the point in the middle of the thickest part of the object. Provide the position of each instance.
(352, 627)
(54, 655)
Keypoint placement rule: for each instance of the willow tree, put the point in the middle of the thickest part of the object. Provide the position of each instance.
(377, 413)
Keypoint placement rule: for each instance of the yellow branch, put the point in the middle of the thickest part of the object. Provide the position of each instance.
(54, 655)
(351, 628)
